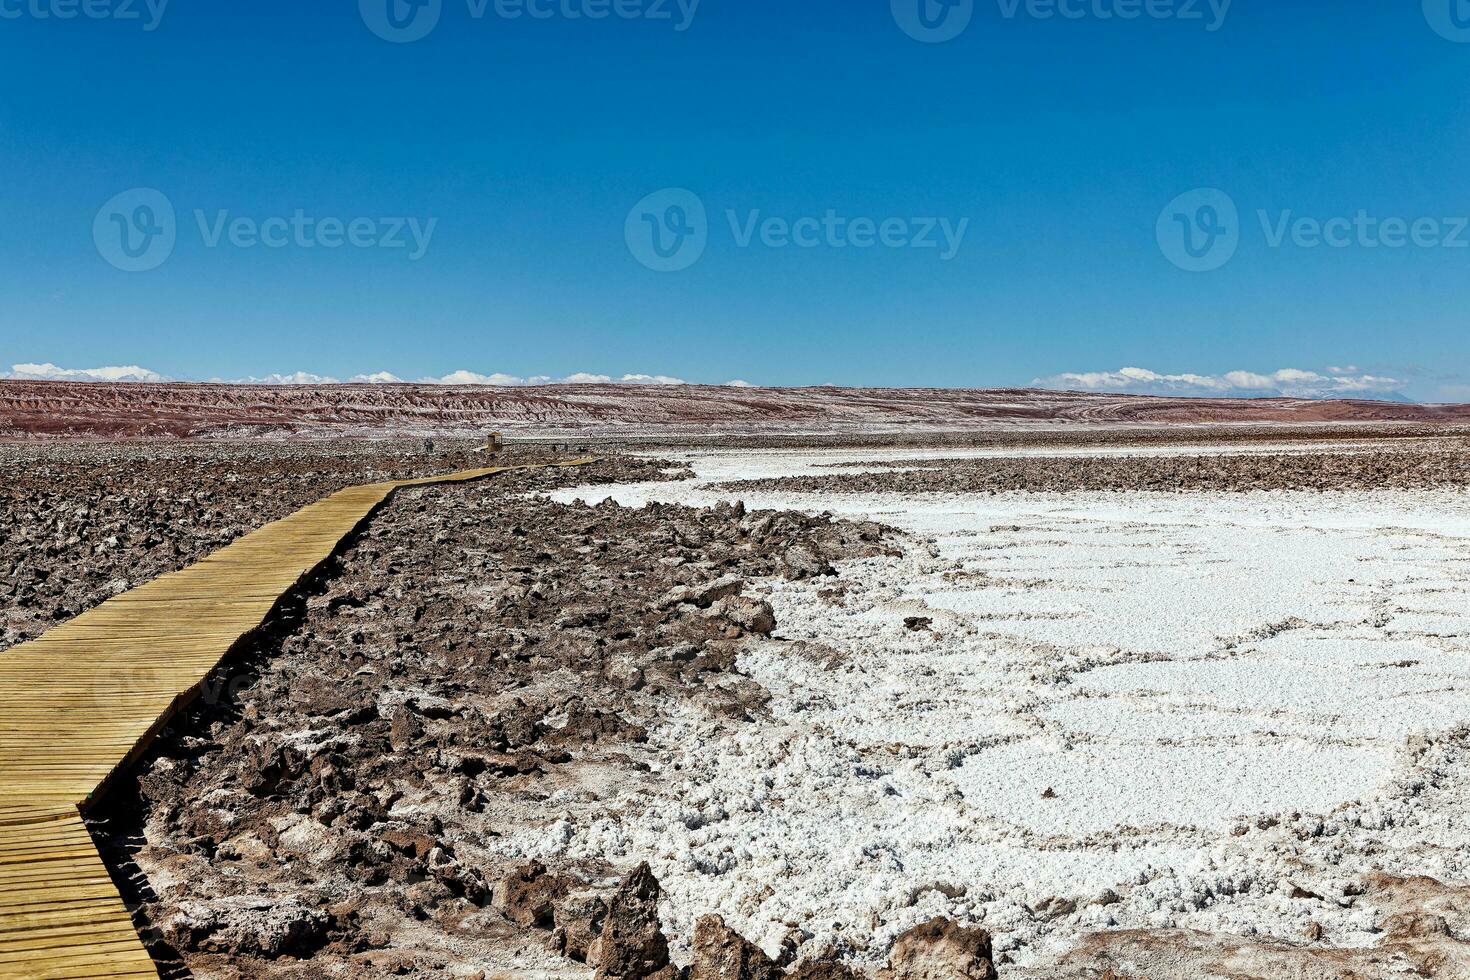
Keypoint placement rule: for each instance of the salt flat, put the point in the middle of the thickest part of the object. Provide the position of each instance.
(1130, 710)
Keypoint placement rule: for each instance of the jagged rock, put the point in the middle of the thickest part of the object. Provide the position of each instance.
(445, 868)
(579, 920)
(404, 731)
(253, 927)
(583, 615)
(823, 971)
(941, 949)
(632, 945)
(1416, 925)
(720, 953)
(1054, 907)
(802, 562)
(705, 594)
(527, 896)
(751, 615)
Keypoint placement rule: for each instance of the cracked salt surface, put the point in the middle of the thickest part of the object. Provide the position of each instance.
(1202, 703)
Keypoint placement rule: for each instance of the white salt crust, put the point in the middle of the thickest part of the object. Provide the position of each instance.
(1199, 702)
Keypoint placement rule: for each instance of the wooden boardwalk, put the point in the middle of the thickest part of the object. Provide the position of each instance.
(80, 703)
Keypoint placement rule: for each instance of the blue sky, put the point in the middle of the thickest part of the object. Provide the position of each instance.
(529, 152)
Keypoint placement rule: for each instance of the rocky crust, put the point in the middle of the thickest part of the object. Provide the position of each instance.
(79, 524)
(1444, 463)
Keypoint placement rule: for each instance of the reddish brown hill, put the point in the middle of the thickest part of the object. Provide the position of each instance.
(64, 409)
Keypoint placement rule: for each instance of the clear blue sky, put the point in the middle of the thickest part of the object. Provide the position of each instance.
(529, 140)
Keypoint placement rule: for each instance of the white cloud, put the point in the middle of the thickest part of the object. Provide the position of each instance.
(1249, 381)
(1286, 382)
(738, 384)
(50, 372)
(474, 378)
(581, 378)
(294, 378)
(650, 379)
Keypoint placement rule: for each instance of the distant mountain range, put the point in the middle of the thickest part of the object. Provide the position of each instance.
(138, 410)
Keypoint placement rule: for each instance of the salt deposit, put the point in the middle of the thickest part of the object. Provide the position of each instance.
(1129, 710)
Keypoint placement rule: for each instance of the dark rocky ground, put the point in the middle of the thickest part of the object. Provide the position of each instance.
(82, 522)
(1437, 463)
(471, 661)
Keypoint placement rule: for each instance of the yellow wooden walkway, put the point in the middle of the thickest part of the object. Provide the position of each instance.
(80, 703)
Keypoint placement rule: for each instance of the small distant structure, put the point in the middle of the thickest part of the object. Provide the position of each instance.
(494, 443)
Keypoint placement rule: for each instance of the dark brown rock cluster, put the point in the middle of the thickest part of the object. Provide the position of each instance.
(80, 523)
(621, 938)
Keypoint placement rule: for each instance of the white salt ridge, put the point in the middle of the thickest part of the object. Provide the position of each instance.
(1178, 670)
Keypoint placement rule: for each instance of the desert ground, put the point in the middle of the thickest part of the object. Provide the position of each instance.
(1074, 703)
